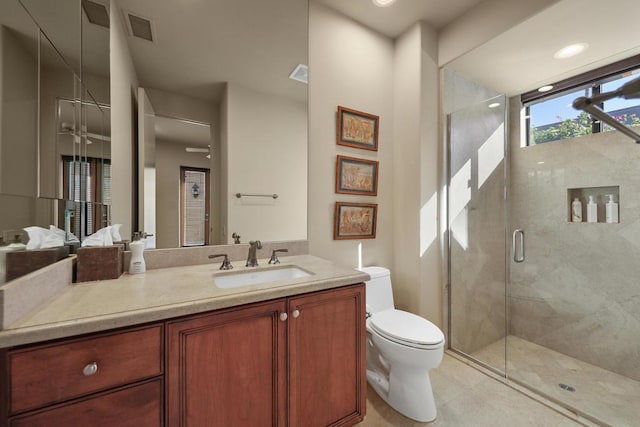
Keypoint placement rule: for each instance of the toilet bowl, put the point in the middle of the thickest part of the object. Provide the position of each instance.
(401, 349)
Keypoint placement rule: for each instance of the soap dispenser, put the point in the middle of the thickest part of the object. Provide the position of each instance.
(576, 210)
(592, 210)
(611, 210)
(137, 264)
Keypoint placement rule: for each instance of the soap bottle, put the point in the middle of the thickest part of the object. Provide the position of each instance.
(611, 210)
(576, 210)
(137, 264)
(592, 210)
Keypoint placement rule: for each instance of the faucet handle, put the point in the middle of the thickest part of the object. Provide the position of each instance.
(274, 256)
(226, 263)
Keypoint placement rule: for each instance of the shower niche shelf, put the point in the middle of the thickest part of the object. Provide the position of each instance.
(599, 196)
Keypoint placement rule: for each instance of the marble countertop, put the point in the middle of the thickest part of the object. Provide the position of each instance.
(163, 294)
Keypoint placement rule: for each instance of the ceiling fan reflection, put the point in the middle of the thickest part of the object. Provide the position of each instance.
(199, 150)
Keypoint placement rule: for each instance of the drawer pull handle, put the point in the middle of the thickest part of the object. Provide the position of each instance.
(90, 369)
(295, 313)
(283, 316)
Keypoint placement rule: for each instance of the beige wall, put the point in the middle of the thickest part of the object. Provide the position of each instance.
(355, 67)
(18, 109)
(124, 84)
(351, 66)
(266, 154)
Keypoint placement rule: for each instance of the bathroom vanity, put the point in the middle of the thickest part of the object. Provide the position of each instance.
(280, 353)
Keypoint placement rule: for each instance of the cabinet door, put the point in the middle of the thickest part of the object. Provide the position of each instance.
(137, 406)
(327, 381)
(228, 369)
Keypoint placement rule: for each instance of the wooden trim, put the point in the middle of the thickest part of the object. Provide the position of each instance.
(336, 221)
(352, 143)
(339, 187)
(183, 204)
(584, 79)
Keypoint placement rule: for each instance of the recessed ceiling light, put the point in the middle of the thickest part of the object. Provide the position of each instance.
(546, 88)
(383, 3)
(571, 50)
(494, 105)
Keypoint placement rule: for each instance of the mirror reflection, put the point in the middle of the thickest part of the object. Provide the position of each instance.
(240, 116)
(255, 116)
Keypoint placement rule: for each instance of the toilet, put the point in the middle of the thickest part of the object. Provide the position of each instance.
(401, 349)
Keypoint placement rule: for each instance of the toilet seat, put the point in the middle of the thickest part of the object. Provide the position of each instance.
(407, 329)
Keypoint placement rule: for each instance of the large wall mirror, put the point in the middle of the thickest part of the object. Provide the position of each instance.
(51, 121)
(219, 116)
(217, 82)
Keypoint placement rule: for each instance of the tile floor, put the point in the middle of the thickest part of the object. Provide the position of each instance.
(606, 396)
(467, 397)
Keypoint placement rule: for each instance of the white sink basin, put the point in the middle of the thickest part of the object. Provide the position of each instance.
(256, 277)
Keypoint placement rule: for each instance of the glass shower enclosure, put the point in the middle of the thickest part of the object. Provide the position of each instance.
(550, 304)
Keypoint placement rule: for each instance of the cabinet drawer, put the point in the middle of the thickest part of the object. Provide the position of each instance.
(52, 373)
(138, 406)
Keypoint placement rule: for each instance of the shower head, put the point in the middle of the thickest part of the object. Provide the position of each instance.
(590, 105)
(630, 89)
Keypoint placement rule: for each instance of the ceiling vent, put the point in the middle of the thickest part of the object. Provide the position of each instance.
(96, 13)
(300, 73)
(140, 27)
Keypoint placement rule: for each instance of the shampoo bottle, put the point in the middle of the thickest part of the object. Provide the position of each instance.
(611, 210)
(137, 264)
(576, 210)
(592, 210)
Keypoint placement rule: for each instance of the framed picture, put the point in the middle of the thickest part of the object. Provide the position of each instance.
(356, 176)
(357, 129)
(355, 221)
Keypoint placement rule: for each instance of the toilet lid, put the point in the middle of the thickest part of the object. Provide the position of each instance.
(402, 326)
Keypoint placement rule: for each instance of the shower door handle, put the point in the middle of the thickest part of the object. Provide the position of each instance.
(517, 246)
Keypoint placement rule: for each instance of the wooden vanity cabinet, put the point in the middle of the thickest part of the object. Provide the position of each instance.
(106, 379)
(327, 373)
(296, 362)
(227, 368)
(290, 362)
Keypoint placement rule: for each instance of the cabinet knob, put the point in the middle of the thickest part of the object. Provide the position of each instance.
(90, 369)
(295, 313)
(283, 316)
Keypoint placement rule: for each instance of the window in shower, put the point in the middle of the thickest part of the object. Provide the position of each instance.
(550, 116)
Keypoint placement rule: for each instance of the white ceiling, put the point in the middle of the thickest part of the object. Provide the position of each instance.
(393, 20)
(200, 44)
(521, 59)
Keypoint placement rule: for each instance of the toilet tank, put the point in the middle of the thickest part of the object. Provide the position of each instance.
(379, 292)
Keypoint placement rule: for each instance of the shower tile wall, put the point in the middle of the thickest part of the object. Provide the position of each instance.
(578, 292)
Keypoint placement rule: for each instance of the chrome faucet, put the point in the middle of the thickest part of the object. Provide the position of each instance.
(252, 259)
(226, 263)
(274, 256)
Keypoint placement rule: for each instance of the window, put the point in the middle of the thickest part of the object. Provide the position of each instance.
(87, 187)
(550, 116)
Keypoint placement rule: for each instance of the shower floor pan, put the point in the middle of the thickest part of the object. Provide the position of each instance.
(604, 396)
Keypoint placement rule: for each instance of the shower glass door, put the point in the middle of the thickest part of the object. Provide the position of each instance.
(477, 235)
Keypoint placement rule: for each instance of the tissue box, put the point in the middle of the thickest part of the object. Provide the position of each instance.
(99, 263)
(20, 263)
